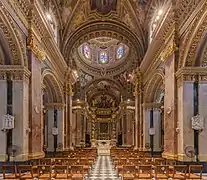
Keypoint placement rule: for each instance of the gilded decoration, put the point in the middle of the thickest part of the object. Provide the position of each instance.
(193, 39)
(35, 47)
(11, 35)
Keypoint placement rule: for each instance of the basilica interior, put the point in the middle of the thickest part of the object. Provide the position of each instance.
(106, 80)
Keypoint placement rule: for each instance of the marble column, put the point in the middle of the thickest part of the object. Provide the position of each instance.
(129, 134)
(69, 122)
(73, 128)
(185, 133)
(147, 108)
(146, 126)
(35, 106)
(3, 111)
(60, 126)
(170, 110)
(50, 140)
(20, 108)
(136, 140)
(157, 127)
(202, 154)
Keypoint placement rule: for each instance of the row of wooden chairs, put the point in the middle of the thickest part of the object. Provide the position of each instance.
(160, 172)
(44, 172)
(142, 161)
(73, 165)
(64, 161)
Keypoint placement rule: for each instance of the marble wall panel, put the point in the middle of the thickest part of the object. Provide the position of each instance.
(203, 113)
(3, 111)
(169, 109)
(20, 135)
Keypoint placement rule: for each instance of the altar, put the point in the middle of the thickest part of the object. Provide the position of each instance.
(103, 147)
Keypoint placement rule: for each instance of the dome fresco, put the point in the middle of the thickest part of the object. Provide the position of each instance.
(103, 51)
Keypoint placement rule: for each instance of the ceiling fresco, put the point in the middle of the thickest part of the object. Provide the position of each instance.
(104, 41)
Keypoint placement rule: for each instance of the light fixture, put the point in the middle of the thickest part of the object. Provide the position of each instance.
(154, 25)
(49, 17)
(158, 17)
(128, 100)
(160, 12)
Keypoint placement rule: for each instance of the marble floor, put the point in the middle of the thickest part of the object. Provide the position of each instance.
(103, 169)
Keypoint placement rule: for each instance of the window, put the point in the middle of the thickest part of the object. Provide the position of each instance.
(120, 52)
(86, 51)
(103, 58)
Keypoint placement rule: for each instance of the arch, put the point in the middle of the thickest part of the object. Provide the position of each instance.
(52, 87)
(13, 38)
(5, 51)
(93, 29)
(192, 41)
(96, 81)
(153, 86)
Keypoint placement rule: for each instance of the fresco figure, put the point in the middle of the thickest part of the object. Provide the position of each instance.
(103, 6)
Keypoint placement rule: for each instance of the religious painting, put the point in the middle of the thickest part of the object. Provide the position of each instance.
(103, 6)
(104, 128)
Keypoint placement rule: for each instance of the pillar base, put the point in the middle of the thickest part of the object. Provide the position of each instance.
(3, 157)
(37, 155)
(20, 157)
(93, 143)
(184, 158)
(169, 156)
(202, 157)
(113, 142)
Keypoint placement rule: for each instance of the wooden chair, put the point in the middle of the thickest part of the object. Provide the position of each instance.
(195, 169)
(144, 172)
(25, 171)
(158, 161)
(61, 172)
(46, 161)
(44, 172)
(77, 172)
(9, 171)
(179, 172)
(162, 172)
(128, 172)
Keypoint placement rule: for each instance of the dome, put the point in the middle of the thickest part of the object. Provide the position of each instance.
(103, 51)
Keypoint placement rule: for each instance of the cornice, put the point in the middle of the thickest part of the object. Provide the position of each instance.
(157, 52)
(151, 105)
(15, 72)
(43, 31)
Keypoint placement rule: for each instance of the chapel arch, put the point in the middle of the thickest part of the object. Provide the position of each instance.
(153, 111)
(53, 112)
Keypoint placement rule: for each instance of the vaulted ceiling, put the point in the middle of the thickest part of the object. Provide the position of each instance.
(124, 21)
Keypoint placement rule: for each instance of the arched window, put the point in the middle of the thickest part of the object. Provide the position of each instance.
(103, 57)
(86, 51)
(120, 52)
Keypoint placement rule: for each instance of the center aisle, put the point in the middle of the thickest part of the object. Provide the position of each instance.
(103, 169)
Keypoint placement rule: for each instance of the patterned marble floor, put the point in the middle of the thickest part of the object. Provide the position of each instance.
(103, 170)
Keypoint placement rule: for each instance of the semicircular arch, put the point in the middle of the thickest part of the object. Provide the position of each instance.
(52, 87)
(193, 39)
(13, 38)
(153, 86)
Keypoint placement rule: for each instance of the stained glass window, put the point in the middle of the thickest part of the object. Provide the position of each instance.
(86, 51)
(103, 57)
(120, 52)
